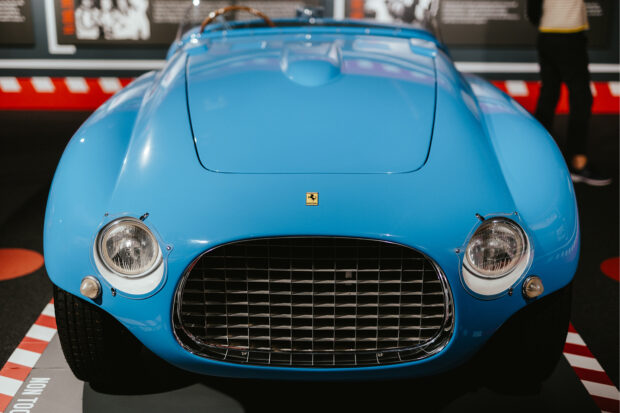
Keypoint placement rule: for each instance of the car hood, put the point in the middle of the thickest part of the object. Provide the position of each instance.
(311, 104)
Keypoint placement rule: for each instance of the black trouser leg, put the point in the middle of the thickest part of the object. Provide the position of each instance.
(564, 58)
(579, 119)
(551, 80)
(577, 80)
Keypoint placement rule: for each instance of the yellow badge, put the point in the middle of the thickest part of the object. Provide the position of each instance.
(312, 198)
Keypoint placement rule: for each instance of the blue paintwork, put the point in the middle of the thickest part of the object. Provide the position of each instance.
(267, 78)
(137, 154)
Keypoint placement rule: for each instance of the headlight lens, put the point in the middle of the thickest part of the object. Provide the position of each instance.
(127, 247)
(496, 248)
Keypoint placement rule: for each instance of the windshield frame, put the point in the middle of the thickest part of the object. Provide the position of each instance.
(197, 12)
(354, 27)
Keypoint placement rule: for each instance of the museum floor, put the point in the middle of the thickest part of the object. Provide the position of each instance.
(31, 144)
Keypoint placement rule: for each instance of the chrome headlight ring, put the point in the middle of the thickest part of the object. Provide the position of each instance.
(128, 248)
(496, 256)
(127, 254)
(496, 248)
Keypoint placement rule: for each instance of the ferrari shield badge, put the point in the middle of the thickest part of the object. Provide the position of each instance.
(312, 198)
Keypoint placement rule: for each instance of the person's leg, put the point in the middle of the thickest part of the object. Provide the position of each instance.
(551, 81)
(577, 78)
(575, 73)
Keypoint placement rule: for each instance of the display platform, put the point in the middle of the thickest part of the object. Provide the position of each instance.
(51, 387)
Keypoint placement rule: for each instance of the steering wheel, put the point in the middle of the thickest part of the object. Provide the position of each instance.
(214, 14)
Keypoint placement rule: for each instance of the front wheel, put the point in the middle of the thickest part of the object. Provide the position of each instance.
(98, 348)
(528, 347)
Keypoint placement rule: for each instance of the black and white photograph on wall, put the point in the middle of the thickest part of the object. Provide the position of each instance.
(16, 23)
(111, 21)
(114, 20)
(149, 22)
(405, 11)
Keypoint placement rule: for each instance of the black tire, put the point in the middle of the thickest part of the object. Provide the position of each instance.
(528, 347)
(98, 348)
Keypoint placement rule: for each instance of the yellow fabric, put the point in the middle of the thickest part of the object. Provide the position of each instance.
(555, 30)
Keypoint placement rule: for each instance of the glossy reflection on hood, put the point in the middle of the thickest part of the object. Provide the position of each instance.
(323, 103)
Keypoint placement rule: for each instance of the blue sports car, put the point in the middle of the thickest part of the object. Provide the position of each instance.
(314, 199)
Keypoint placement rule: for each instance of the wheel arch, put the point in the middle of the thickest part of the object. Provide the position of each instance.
(87, 173)
(538, 179)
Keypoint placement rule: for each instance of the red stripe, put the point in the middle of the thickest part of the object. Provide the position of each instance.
(63, 99)
(571, 328)
(4, 401)
(577, 349)
(33, 344)
(604, 101)
(593, 375)
(46, 321)
(606, 404)
(15, 371)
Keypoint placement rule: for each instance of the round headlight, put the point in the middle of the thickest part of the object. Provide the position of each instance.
(128, 248)
(496, 248)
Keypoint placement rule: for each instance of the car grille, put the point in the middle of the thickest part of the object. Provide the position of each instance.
(313, 302)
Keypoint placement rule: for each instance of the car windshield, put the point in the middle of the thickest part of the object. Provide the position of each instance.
(416, 13)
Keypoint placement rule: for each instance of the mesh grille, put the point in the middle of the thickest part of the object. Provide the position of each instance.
(313, 302)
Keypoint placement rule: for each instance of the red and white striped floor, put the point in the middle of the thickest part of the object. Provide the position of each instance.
(590, 372)
(26, 355)
(57, 93)
(82, 93)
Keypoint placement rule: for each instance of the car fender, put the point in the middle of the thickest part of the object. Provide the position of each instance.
(87, 173)
(538, 179)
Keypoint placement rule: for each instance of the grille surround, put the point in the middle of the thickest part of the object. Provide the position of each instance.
(322, 357)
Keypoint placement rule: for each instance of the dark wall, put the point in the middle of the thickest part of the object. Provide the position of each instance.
(479, 31)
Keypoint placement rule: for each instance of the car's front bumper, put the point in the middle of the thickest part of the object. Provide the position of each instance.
(149, 317)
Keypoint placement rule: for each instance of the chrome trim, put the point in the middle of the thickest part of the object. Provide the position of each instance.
(524, 253)
(90, 287)
(430, 347)
(138, 223)
(526, 284)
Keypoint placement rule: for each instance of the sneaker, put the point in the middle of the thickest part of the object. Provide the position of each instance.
(589, 176)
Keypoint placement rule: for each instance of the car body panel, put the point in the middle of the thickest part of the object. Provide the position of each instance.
(137, 154)
(534, 170)
(253, 98)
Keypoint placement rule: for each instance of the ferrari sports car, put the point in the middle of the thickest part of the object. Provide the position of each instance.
(314, 199)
